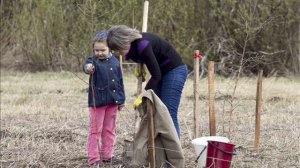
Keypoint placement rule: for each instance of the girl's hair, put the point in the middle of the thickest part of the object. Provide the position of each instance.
(120, 36)
(100, 37)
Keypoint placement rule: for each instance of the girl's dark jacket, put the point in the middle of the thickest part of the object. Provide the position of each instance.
(107, 81)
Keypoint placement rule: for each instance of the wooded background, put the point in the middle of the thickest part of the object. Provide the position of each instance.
(39, 35)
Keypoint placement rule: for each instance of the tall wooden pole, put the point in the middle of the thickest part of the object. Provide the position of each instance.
(196, 95)
(144, 29)
(258, 110)
(145, 16)
(151, 125)
(211, 95)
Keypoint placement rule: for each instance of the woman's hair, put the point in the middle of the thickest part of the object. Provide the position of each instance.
(119, 37)
(100, 37)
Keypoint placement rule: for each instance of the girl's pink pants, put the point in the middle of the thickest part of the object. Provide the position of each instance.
(101, 138)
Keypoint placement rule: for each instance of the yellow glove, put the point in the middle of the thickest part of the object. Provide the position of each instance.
(137, 102)
(142, 73)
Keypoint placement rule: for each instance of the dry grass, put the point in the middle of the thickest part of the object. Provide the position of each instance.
(44, 120)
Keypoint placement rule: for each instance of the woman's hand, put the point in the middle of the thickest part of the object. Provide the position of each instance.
(137, 102)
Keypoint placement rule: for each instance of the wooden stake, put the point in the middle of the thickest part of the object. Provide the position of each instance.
(258, 109)
(140, 80)
(196, 95)
(151, 133)
(211, 94)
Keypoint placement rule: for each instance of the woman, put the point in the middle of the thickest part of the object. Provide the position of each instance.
(168, 72)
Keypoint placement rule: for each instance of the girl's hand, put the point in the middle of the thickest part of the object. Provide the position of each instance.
(120, 107)
(90, 68)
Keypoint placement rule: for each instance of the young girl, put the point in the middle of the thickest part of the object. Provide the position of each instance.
(168, 72)
(106, 96)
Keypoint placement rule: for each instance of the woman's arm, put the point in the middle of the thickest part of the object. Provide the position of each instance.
(150, 61)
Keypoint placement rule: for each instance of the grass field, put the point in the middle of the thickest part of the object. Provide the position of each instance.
(44, 120)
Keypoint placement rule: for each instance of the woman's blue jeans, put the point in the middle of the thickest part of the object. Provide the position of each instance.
(170, 89)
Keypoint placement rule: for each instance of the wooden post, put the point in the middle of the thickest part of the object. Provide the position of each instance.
(211, 95)
(121, 63)
(144, 29)
(151, 133)
(145, 16)
(196, 95)
(258, 109)
(151, 126)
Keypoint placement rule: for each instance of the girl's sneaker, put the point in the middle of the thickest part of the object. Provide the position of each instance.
(113, 160)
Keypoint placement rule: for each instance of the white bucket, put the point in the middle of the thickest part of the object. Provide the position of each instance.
(200, 145)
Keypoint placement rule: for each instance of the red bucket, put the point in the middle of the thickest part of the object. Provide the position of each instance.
(219, 154)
